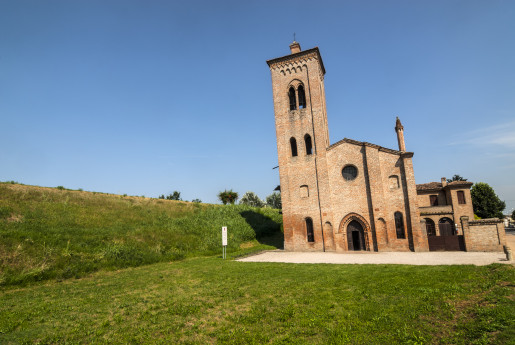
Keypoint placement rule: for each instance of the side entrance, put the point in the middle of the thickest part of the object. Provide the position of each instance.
(446, 239)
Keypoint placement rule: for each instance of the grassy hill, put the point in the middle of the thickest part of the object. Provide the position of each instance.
(57, 233)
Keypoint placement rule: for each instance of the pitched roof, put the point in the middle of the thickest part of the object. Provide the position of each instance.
(438, 185)
(429, 186)
(364, 143)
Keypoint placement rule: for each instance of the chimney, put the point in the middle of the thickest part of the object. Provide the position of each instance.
(400, 135)
(444, 182)
(295, 47)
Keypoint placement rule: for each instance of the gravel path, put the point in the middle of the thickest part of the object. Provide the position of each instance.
(406, 258)
(409, 258)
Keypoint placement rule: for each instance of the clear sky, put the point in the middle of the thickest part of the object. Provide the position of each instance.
(148, 97)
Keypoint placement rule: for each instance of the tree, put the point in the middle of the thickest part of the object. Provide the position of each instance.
(172, 196)
(228, 197)
(456, 178)
(274, 200)
(513, 215)
(196, 200)
(251, 199)
(485, 202)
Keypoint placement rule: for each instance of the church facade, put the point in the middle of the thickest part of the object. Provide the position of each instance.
(349, 195)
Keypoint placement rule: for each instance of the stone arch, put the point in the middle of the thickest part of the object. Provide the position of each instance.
(295, 83)
(342, 229)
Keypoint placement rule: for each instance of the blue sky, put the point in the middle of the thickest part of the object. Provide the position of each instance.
(148, 97)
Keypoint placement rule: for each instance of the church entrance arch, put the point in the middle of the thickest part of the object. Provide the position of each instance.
(355, 231)
(355, 236)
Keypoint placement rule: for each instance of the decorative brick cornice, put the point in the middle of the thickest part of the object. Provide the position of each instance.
(487, 221)
(297, 58)
(434, 213)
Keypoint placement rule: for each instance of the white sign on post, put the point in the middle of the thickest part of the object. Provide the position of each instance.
(224, 241)
(224, 236)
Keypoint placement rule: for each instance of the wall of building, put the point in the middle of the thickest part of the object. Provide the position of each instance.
(461, 210)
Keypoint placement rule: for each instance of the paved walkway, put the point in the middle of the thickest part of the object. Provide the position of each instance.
(409, 258)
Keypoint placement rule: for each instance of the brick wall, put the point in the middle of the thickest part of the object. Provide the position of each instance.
(485, 235)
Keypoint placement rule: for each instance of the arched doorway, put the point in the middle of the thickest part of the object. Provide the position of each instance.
(446, 227)
(446, 239)
(355, 236)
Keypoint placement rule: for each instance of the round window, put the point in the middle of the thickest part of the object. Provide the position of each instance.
(349, 172)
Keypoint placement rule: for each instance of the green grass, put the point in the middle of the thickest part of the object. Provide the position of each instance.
(56, 233)
(209, 300)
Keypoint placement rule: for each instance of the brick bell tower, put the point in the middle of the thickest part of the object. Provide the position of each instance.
(302, 140)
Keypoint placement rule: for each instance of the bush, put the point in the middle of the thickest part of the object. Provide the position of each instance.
(251, 199)
(228, 197)
(172, 196)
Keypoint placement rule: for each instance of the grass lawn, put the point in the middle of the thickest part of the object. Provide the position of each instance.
(208, 300)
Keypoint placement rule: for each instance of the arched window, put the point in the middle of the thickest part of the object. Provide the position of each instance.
(291, 96)
(293, 144)
(430, 227)
(309, 230)
(399, 225)
(309, 146)
(302, 97)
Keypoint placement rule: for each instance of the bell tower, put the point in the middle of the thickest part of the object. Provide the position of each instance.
(302, 140)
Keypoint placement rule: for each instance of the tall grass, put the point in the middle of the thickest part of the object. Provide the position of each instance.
(54, 233)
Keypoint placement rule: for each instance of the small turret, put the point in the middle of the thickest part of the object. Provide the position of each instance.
(295, 47)
(400, 135)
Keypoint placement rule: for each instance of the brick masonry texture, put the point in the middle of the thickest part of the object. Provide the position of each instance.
(312, 185)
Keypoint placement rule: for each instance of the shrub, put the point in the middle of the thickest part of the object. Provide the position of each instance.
(174, 196)
(196, 200)
(251, 199)
(60, 187)
(228, 197)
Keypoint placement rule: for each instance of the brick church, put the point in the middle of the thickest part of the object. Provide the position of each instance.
(352, 195)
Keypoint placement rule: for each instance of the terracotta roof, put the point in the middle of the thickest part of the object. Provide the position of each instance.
(438, 185)
(429, 186)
